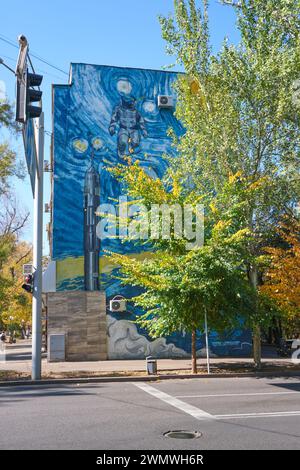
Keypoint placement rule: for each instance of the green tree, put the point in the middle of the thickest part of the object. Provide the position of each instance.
(12, 219)
(283, 275)
(15, 304)
(9, 166)
(179, 285)
(239, 111)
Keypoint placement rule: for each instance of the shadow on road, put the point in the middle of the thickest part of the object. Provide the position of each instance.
(294, 386)
(17, 394)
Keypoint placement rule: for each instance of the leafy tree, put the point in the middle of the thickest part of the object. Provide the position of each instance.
(8, 161)
(283, 276)
(179, 285)
(239, 112)
(15, 304)
(12, 219)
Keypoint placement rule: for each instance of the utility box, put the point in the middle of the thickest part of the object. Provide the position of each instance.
(56, 347)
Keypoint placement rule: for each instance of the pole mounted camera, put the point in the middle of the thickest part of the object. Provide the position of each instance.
(22, 40)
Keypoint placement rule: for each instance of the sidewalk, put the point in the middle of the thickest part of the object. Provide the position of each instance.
(19, 360)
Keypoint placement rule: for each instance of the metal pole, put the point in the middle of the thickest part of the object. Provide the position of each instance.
(38, 252)
(206, 341)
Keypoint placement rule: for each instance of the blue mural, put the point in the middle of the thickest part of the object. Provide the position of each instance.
(103, 114)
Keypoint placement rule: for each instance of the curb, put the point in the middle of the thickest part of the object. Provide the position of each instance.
(146, 378)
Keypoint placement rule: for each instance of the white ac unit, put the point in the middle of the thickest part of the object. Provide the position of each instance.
(47, 208)
(165, 102)
(117, 304)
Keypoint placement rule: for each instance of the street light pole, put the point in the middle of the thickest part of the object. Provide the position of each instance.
(38, 252)
(206, 341)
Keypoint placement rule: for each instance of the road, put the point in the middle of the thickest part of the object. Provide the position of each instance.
(19, 352)
(231, 413)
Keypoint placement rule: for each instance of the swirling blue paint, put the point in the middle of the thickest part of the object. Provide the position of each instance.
(99, 99)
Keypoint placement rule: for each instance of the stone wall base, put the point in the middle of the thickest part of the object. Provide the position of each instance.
(81, 316)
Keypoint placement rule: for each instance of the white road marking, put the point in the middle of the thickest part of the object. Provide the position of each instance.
(181, 405)
(237, 394)
(278, 414)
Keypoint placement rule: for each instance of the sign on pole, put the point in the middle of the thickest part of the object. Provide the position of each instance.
(30, 151)
(27, 269)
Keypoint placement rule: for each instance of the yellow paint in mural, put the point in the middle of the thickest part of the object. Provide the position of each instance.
(70, 268)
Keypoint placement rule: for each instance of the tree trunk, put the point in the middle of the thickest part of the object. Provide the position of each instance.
(256, 328)
(194, 353)
(257, 346)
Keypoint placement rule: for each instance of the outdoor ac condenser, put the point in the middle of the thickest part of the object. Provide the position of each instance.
(165, 102)
(117, 304)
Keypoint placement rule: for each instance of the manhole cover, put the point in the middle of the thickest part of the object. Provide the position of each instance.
(183, 434)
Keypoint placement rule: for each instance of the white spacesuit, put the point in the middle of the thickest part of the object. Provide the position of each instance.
(131, 124)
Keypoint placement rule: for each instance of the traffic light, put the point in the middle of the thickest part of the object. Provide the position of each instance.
(28, 284)
(26, 95)
(32, 95)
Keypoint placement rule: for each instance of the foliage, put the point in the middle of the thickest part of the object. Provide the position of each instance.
(283, 276)
(239, 156)
(15, 303)
(239, 110)
(237, 107)
(179, 286)
(8, 162)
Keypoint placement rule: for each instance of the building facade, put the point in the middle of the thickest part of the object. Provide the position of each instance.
(103, 114)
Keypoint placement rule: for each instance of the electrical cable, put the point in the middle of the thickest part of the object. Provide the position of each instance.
(36, 56)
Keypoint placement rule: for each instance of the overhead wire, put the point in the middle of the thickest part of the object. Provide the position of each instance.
(33, 54)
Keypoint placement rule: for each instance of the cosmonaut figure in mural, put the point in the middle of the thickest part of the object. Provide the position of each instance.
(131, 125)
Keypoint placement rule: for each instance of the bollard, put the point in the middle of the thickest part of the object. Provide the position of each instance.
(151, 365)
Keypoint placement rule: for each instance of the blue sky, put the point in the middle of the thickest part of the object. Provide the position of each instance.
(111, 32)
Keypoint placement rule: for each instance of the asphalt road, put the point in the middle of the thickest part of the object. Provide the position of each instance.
(231, 413)
(19, 352)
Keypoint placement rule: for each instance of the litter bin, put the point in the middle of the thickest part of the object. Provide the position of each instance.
(151, 365)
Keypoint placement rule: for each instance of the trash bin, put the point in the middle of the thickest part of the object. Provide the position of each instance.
(151, 365)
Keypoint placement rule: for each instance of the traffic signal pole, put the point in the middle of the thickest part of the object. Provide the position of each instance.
(32, 120)
(38, 252)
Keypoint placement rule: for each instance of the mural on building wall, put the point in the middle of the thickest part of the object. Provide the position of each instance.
(106, 113)
(91, 197)
(131, 125)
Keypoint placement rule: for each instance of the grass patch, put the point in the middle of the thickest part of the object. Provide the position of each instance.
(13, 375)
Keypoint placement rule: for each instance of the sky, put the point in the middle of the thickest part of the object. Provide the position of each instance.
(107, 32)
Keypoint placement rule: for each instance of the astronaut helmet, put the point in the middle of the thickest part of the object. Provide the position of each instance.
(128, 101)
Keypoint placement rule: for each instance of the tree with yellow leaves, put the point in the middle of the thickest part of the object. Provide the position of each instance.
(15, 304)
(182, 286)
(283, 276)
(239, 109)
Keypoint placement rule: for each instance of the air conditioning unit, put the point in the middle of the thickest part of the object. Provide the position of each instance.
(47, 208)
(117, 304)
(165, 102)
